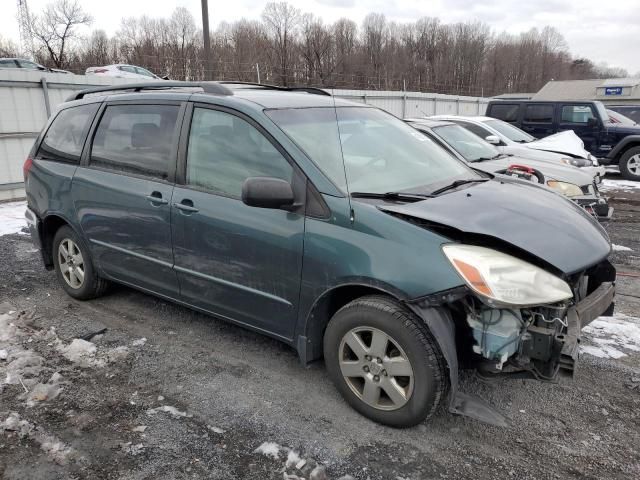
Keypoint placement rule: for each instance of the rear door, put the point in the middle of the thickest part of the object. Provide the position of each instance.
(122, 192)
(583, 120)
(537, 119)
(243, 263)
(507, 112)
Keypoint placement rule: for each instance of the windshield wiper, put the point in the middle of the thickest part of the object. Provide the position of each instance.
(458, 183)
(483, 159)
(407, 197)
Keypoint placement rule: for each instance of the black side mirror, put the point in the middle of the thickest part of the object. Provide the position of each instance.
(592, 122)
(267, 192)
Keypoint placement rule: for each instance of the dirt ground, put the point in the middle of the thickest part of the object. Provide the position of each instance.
(167, 393)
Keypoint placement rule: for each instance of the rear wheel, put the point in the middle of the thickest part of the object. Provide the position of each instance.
(384, 361)
(630, 164)
(73, 265)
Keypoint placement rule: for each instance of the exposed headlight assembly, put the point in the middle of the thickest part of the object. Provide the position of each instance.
(565, 188)
(501, 279)
(577, 162)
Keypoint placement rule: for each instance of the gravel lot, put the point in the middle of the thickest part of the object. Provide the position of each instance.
(167, 393)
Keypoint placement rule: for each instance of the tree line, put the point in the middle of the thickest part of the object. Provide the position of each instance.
(289, 47)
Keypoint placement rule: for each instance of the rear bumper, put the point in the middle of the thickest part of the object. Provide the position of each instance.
(33, 222)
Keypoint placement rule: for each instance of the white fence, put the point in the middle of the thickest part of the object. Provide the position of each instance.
(28, 98)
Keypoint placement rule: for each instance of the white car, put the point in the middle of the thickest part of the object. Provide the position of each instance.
(564, 147)
(123, 71)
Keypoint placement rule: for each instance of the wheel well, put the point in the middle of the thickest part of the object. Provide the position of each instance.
(50, 226)
(323, 310)
(626, 148)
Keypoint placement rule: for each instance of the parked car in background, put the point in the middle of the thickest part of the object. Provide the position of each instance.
(565, 149)
(28, 65)
(612, 143)
(577, 184)
(629, 111)
(124, 71)
(330, 225)
(616, 117)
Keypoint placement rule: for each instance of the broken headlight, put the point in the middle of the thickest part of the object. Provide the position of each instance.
(505, 280)
(565, 188)
(577, 162)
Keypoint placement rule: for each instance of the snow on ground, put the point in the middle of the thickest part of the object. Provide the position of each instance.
(609, 337)
(626, 185)
(620, 248)
(269, 449)
(12, 217)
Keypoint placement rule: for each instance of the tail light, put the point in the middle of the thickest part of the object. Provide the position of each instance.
(26, 168)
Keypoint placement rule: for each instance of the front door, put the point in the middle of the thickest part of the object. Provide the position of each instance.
(122, 194)
(537, 119)
(240, 262)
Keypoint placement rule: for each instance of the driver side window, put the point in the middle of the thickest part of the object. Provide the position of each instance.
(224, 150)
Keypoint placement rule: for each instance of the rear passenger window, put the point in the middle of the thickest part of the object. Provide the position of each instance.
(66, 135)
(136, 139)
(507, 112)
(577, 113)
(225, 150)
(476, 129)
(539, 114)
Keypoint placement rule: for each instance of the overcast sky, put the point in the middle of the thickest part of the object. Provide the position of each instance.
(596, 29)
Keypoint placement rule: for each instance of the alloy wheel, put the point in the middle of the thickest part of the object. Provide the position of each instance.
(376, 368)
(633, 164)
(71, 263)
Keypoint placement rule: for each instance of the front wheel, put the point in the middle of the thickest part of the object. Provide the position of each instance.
(630, 164)
(74, 268)
(384, 361)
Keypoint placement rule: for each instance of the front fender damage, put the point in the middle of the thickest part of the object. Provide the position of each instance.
(440, 323)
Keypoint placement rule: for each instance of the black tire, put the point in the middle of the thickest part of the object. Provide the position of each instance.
(92, 285)
(430, 382)
(627, 156)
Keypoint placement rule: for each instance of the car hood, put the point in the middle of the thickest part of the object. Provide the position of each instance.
(564, 142)
(528, 217)
(551, 170)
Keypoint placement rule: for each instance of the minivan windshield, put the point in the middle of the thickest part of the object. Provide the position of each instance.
(467, 144)
(512, 133)
(381, 153)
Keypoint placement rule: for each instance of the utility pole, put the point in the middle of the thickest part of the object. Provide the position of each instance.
(24, 25)
(208, 71)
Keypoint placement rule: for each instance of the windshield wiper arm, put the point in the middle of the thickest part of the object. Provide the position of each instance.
(458, 183)
(408, 197)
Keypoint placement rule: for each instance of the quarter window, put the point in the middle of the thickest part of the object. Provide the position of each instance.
(507, 112)
(577, 113)
(224, 150)
(66, 135)
(136, 139)
(539, 114)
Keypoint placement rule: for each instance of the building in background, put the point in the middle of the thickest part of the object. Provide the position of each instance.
(612, 91)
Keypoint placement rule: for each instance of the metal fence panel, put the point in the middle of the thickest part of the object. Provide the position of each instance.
(28, 97)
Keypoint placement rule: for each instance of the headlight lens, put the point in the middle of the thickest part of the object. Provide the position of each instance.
(565, 188)
(577, 162)
(502, 279)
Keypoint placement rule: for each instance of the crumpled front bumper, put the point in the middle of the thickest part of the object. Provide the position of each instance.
(599, 302)
(596, 206)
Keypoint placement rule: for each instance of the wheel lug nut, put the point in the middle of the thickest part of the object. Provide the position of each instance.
(376, 378)
(367, 358)
(365, 368)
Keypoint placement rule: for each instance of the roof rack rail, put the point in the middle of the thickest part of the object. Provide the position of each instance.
(312, 90)
(208, 87)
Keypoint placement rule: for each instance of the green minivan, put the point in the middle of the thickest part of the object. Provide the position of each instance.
(329, 225)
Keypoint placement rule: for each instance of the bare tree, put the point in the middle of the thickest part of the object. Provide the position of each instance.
(57, 26)
(282, 21)
(8, 48)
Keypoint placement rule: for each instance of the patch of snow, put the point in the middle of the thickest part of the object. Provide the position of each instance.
(610, 336)
(620, 248)
(625, 185)
(81, 352)
(139, 429)
(4, 354)
(292, 459)
(217, 430)
(12, 217)
(43, 392)
(169, 409)
(269, 449)
(54, 448)
(132, 449)
(139, 343)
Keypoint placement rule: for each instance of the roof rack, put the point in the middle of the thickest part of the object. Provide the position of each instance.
(208, 87)
(312, 90)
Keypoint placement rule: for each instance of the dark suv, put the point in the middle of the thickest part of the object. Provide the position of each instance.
(612, 143)
(329, 225)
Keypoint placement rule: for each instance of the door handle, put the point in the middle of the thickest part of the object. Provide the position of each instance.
(186, 206)
(156, 197)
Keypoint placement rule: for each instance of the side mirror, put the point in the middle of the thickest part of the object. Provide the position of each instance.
(166, 77)
(267, 192)
(493, 140)
(592, 122)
